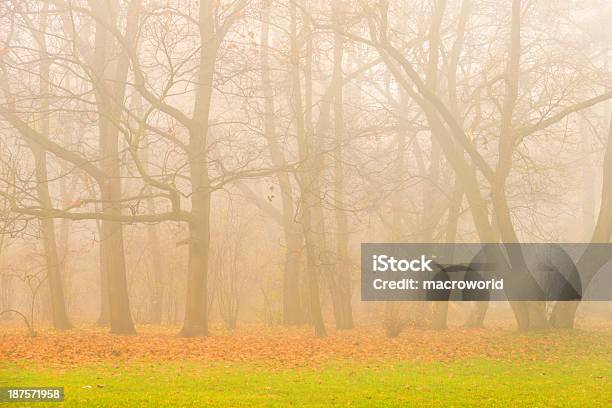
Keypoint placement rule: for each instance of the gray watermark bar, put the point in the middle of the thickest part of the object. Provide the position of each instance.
(481, 272)
(31, 394)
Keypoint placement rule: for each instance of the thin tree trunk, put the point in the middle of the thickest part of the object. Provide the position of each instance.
(54, 270)
(64, 233)
(54, 275)
(157, 297)
(440, 309)
(529, 315)
(292, 311)
(344, 312)
(154, 249)
(307, 181)
(430, 191)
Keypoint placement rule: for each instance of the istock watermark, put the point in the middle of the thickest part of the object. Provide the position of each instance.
(529, 272)
(384, 263)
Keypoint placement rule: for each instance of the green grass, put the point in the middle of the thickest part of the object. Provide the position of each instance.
(566, 382)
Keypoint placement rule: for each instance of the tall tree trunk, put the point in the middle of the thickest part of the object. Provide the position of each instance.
(564, 313)
(307, 182)
(6, 292)
(529, 315)
(120, 317)
(430, 192)
(111, 76)
(588, 184)
(54, 270)
(154, 249)
(104, 317)
(196, 303)
(157, 297)
(64, 232)
(343, 309)
(440, 309)
(292, 311)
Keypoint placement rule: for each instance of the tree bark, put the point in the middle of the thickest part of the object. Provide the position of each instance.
(110, 83)
(104, 317)
(196, 304)
(54, 269)
(529, 315)
(564, 313)
(157, 297)
(292, 310)
(342, 306)
(440, 309)
(307, 182)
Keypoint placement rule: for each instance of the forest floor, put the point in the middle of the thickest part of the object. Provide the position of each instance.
(289, 367)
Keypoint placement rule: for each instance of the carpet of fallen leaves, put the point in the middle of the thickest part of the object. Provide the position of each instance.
(297, 346)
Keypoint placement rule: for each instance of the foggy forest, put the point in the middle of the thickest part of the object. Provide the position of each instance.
(207, 165)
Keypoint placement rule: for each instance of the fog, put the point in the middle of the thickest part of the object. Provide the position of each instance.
(219, 163)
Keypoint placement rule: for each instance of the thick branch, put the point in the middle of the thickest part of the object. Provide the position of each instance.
(543, 124)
